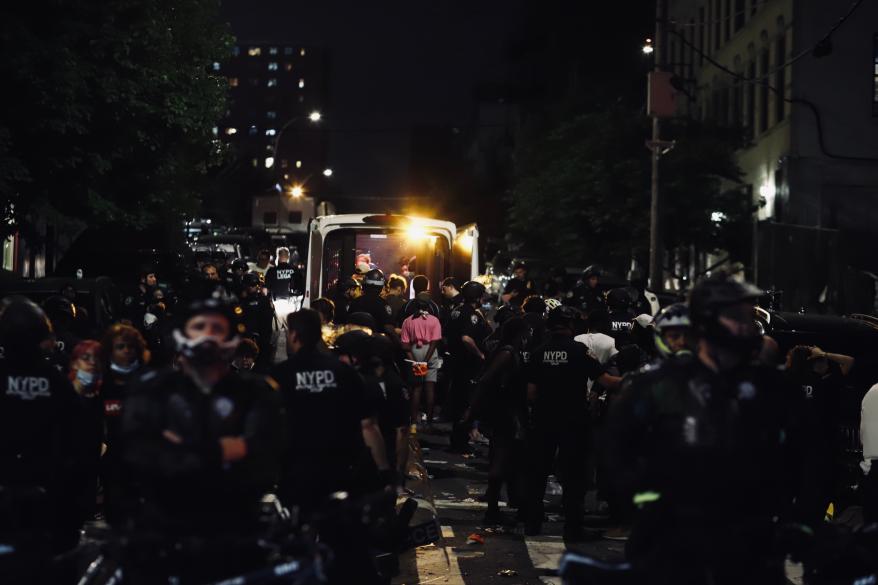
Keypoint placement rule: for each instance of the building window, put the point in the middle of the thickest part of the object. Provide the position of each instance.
(253, 131)
(255, 162)
(236, 50)
(875, 76)
(233, 82)
(301, 52)
(301, 99)
(230, 131)
(269, 162)
(269, 217)
(270, 132)
(740, 14)
(272, 66)
(288, 66)
(284, 163)
(288, 50)
(737, 99)
(717, 23)
(271, 115)
(254, 51)
(701, 47)
(216, 66)
(298, 164)
(727, 21)
(751, 99)
(301, 83)
(272, 51)
(271, 82)
(215, 131)
(763, 90)
(295, 217)
(780, 80)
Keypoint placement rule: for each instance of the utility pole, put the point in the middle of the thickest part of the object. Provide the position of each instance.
(656, 260)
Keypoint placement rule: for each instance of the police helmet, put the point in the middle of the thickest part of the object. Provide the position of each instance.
(23, 327)
(362, 319)
(240, 264)
(374, 279)
(636, 278)
(350, 283)
(708, 299)
(552, 304)
(593, 270)
(618, 299)
(59, 309)
(472, 290)
(561, 317)
(534, 304)
(673, 316)
(207, 349)
(251, 279)
(351, 343)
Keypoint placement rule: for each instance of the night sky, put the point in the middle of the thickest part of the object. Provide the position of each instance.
(395, 64)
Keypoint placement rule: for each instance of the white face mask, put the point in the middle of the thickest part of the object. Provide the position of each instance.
(85, 378)
(124, 369)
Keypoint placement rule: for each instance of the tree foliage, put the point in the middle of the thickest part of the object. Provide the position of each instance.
(582, 191)
(110, 108)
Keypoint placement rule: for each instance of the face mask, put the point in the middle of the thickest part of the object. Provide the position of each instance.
(124, 369)
(85, 378)
(205, 350)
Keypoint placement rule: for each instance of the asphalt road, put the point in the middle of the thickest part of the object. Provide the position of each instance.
(507, 556)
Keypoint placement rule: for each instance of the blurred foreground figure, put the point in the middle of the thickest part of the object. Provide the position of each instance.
(703, 445)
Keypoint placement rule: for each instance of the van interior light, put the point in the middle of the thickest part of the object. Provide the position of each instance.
(465, 242)
(416, 232)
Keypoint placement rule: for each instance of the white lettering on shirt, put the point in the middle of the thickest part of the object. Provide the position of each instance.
(554, 358)
(316, 381)
(27, 387)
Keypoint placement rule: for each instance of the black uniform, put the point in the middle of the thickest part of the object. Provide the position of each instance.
(373, 304)
(561, 369)
(187, 487)
(620, 327)
(282, 280)
(587, 298)
(39, 446)
(258, 318)
(326, 402)
(522, 287)
(704, 456)
(465, 367)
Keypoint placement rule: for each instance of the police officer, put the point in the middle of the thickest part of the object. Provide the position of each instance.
(62, 314)
(701, 447)
(203, 443)
(557, 376)
(588, 293)
(372, 303)
(535, 309)
(343, 294)
(331, 419)
(673, 335)
(258, 315)
(38, 441)
(467, 332)
(283, 282)
(619, 304)
(643, 301)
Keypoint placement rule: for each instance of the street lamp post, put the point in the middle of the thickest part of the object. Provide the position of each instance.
(314, 117)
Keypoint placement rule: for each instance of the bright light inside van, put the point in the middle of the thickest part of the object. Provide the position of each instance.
(416, 232)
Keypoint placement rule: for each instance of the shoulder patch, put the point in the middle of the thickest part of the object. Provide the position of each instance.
(474, 319)
(388, 309)
(455, 313)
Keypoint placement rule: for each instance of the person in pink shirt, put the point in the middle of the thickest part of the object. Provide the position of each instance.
(420, 336)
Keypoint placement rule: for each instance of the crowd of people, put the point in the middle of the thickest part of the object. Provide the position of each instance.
(177, 420)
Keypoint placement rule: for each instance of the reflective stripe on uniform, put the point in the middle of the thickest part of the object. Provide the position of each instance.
(646, 498)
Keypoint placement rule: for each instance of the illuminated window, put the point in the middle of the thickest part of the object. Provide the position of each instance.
(230, 131)
(272, 51)
(302, 52)
(301, 83)
(288, 66)
(271, 115)
(298, 164)
(254, 51)
(236, 50)
(215, 131)
(288, 50)
(270, 132)
(272, 66)
(269, 162)
(255, 162)
(272, 82)
(301, 99)
(253, 131)
(216, 66)
(284, 163)
(233, 82)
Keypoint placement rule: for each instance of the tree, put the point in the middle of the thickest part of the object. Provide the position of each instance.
(109, 109)
(582, 191)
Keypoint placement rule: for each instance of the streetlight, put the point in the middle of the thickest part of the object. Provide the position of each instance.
(647, 47)
(314, 116)
(327, 173)
(297, 191)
